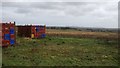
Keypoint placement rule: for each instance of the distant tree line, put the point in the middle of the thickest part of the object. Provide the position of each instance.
(85, 29)
(59, 28)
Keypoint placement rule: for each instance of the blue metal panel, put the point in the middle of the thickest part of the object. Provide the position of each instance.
(7, 37)
(12, 42)
(37, 29)
(43, 35)
(12, 31)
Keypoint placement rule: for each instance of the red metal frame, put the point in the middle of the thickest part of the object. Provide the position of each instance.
(22, 30)
(6, 30)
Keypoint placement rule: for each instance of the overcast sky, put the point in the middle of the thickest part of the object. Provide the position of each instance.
(81, 14)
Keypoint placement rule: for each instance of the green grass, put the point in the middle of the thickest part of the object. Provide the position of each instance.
(0, 56)
(57, 51)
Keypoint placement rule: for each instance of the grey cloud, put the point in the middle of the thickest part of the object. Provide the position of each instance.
(60, 0)
(71, 8)
(75, 8)
(13, 4)
(23, 10)
(82, 10)
(46, 5)
(55, 11)
(17, 7)
(0, 14)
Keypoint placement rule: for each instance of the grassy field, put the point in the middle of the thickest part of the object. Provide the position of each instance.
(60, 51)
(81, 34)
